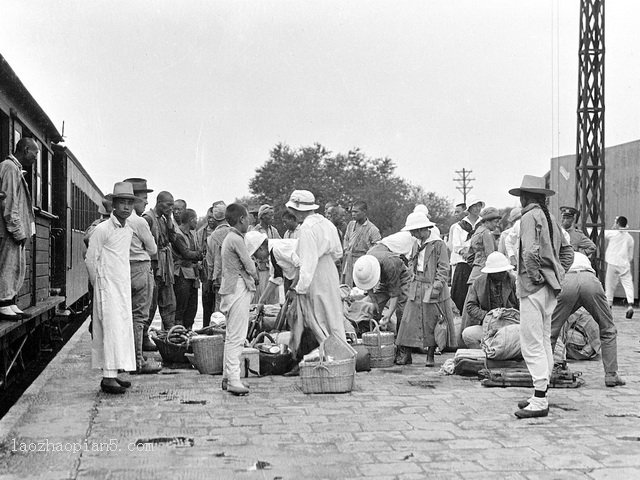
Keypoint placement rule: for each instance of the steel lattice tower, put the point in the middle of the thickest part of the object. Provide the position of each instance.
(590, 169)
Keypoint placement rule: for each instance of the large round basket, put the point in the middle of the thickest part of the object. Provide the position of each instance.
(208, 353)
(170, 352)
(380, 346)
(328, 377)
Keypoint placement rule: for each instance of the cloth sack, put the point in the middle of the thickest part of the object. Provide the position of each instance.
(504, 344)
(581, 336)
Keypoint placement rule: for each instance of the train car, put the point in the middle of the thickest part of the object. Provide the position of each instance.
(65, 201)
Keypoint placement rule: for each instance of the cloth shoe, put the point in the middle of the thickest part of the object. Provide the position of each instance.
(629, 313)
(524, 403)
(237, 388)
(613, 380)
(123, 383)
(110, 388)
(17, 311)
(6, 313)
(537, 407)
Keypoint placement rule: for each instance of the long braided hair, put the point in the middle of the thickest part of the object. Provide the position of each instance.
(541, 201)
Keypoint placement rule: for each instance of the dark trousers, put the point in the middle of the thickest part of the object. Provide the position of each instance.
(163, 299)
(186, 300)
(583, 289)
(208, 302)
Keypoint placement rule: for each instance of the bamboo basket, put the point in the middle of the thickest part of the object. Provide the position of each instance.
(380, 346)
(208, 353)
(337, 376)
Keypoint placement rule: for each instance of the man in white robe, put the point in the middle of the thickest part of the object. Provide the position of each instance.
(318, 288)
(109, 272)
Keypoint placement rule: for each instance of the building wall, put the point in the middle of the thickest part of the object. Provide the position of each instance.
(621, 191)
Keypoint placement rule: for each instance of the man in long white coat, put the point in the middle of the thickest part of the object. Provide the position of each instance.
(109, 272)
(318, 288)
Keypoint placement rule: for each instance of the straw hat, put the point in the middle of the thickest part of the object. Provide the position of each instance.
(416, 221)
(266, 208)
(496, 262)
(366, 272)
(489, 213)
(302, 200)
(532, 184)
(253, 240)
(123, 190)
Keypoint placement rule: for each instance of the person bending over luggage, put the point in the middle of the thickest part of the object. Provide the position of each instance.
(494, 288)
(581, 288)
(383, 273)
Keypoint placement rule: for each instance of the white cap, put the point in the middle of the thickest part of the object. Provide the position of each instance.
(416, 221)
(366, 272)
(496, 262)
(253, 240)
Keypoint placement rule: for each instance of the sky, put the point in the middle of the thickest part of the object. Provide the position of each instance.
(193, 95)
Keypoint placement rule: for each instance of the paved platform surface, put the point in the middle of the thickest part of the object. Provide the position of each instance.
(399, 423)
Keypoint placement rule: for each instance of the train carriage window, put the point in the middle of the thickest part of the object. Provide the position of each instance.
(37, 178)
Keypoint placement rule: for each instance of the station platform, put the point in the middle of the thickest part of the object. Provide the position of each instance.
(399, 423)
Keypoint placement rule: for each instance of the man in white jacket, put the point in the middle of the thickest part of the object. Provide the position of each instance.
(619, 255)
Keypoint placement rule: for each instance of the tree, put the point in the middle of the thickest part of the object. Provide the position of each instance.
(342, 178)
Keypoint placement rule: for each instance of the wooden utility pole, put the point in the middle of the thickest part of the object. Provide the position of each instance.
(464, 182)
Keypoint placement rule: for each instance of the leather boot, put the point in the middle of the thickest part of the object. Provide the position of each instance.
(431, 362)
(403, 356)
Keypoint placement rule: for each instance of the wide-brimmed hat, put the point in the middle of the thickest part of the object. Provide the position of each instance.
(416, 221)
(496, 262)
(532, 184)
(139, 185)
(266, 208)
(471, 201)
(568, 212)
(490, 213)
(366, 272)
(218, 210)
(253, 240)
(123, 190)
(302, 200)
(515, 214)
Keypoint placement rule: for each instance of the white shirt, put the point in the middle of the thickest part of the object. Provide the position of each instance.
(620, 249)
(458, 240)
(512, 239)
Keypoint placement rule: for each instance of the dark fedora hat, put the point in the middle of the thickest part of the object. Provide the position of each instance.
(532, 184)
(139, 185)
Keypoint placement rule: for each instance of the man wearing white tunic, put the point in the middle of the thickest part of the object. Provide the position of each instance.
(109, 272)
(318, 288)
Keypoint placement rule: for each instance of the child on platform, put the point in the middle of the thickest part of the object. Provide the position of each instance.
(239, 280)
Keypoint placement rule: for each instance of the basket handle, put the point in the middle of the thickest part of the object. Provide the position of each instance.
(260, 337)
(376, 330)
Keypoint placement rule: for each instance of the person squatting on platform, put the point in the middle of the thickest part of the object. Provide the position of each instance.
(494, 288)
(581, 288)
(17, 225)
(110, 274)
(544, 257)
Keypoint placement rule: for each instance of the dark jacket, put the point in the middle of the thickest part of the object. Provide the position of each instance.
(477, 304)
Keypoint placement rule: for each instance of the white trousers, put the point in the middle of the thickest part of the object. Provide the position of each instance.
(235, 306)
(623, 274)
(535, 335)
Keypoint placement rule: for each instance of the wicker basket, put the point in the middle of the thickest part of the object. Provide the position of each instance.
(380, 346)
(170, 352)
(208, 353)
(328, 377)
